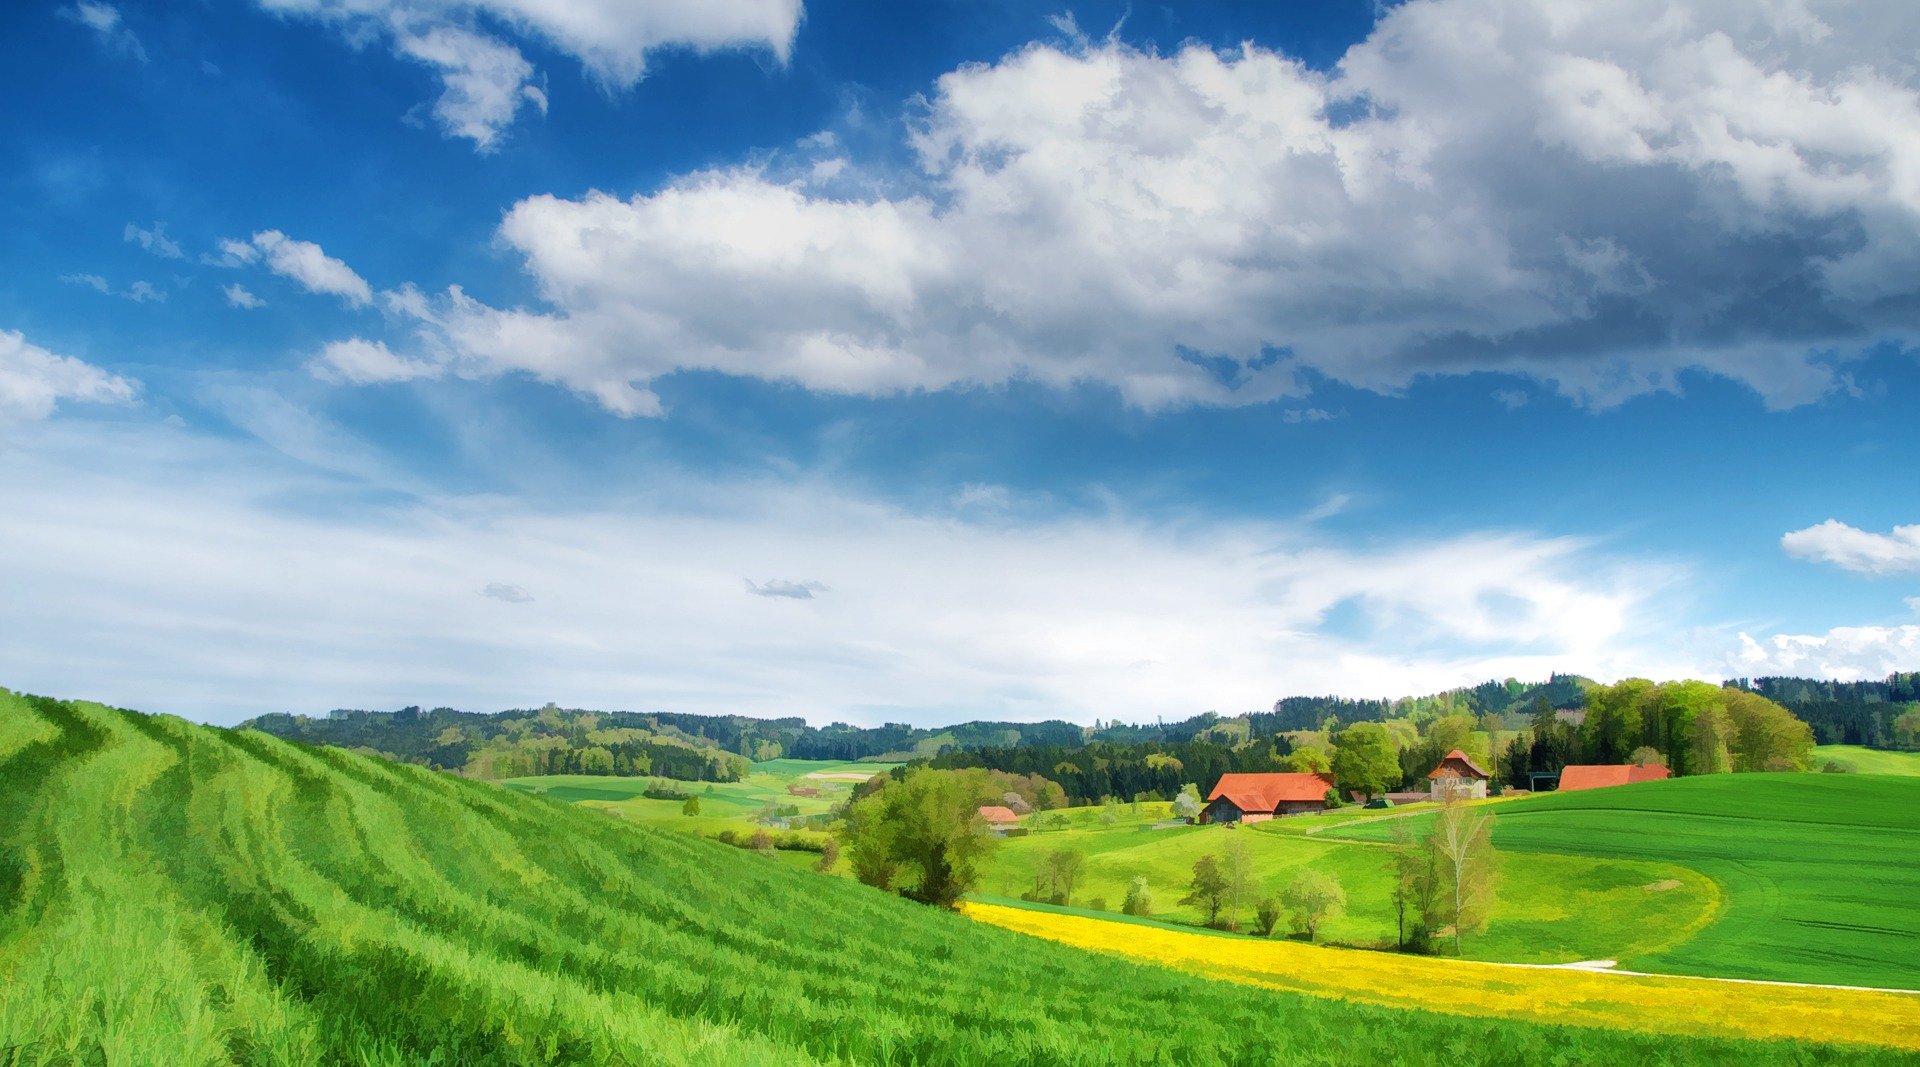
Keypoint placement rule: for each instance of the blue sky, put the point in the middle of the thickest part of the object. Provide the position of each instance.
(913, 362)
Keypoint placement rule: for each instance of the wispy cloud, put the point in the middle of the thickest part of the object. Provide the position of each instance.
(510, 594)
(239, 296)
(779, 587)
(154, 240)
(104, 20)
(33, 380)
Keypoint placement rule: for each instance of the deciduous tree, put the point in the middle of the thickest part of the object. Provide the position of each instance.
(1208, 890)
(923, 834)
(1364, 759)
(1311, 899)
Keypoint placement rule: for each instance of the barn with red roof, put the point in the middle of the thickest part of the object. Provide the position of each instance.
(1599, 776)
(1457, 775)
(1259, 797)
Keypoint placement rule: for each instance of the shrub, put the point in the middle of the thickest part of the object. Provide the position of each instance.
(1098, 904)
(761, 841)
(1139, 897)
(1266, 915)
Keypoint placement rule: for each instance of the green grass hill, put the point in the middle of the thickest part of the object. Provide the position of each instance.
(176, 894)
(1818, 872)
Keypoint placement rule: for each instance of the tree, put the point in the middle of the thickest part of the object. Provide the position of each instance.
(1708, 751)
(1647, 756)
(1311, 899)
(691, 807)
(1364, 759)
(829, 855)
(1409, 870)
(1462, 843)
(1063, 869)
(1187, 804)
(1906, 728)
(1306, 760)
(1139, 897)
(761, 841)
(1266, 915)
(1208, 890)
(923, 834)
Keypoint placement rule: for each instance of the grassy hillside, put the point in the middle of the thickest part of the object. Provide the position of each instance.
(1555, 909)
(1868, 760)
(1819, 872)
(182, 895)
(723, 805)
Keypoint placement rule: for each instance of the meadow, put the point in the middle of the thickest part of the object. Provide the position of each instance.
(723, 805)
(1818, 873)
(1868, 760)
(171, 893)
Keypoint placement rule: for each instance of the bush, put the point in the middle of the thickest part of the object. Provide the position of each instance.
(829, 855)
(1139, 897)
(1098, 904)
(761, 841)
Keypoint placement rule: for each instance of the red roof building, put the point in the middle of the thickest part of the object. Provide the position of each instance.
(998, 815)
(1259, 797)
(1599, 776)
(1457, 775)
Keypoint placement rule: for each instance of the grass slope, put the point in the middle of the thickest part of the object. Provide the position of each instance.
(176, 894)
(723, 805)
(1818, 872)
(1869, 760)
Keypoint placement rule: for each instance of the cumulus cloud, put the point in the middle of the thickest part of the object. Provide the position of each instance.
(1845, 652)
(34, 380)
(511, 594)
(306, 264)
(239, 296)
(486, 81)
(154, 240)
(104, 20)
(1600, 198)
(1859, 551)
(780, 587)
(227, 581)
(364, 362)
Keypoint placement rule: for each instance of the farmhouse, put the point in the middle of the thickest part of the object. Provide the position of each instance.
(998, 816)
(1457, 776)
(1599, 776)
(1259, 797)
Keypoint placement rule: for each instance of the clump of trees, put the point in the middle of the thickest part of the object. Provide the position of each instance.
(1139, 899)
(1445, 878)
(921, 835)
(1055, 878)
(1310, 900)
(1365, 759)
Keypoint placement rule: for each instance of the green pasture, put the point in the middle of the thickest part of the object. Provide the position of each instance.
(1554, 909)
(723, 805)
(1868, 760)
(1818, 873)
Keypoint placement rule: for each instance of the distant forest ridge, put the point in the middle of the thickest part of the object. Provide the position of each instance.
(553, 740)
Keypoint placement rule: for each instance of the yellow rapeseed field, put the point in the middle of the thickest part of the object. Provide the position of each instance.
(1665, 1004)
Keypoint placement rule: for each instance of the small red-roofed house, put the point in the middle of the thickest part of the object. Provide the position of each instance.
(1259, 797)
(1457, 776)
(1599, 776)
(998, 815)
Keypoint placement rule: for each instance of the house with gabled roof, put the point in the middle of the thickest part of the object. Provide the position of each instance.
(999, 817)
(1599, 776)
(1457, 775)
(1259, 797)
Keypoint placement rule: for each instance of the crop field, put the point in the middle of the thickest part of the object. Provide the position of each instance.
(1818, 873)
(1868, 760)
(1675, 1005)
(176, 894)
(1554, 909)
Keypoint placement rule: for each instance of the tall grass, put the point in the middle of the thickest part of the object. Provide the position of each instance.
(176, 894)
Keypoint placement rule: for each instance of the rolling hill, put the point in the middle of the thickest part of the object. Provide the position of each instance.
(1819, 872)
(185, 895)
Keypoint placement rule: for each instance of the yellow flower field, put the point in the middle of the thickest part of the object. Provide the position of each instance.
(1666, 1004)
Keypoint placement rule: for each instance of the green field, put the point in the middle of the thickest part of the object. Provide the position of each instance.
(723, 805)
(176, 894)
(1554, 909)
(1819, 873)
(1868, 760)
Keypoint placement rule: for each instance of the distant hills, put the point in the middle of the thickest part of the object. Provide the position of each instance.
(553, 740)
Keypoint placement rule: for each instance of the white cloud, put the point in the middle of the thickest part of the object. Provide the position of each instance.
(510, 594)
(365, 362)
(307, 264)
(34, 380)
(229, 580)
(1597, 197)
(91, 281)
(232, 254)
(781, 588)
(104, 20)
(486, 80)
(1835, 542)
(154, 240)
(1845, 652)
(239, 296)
(142, 292)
